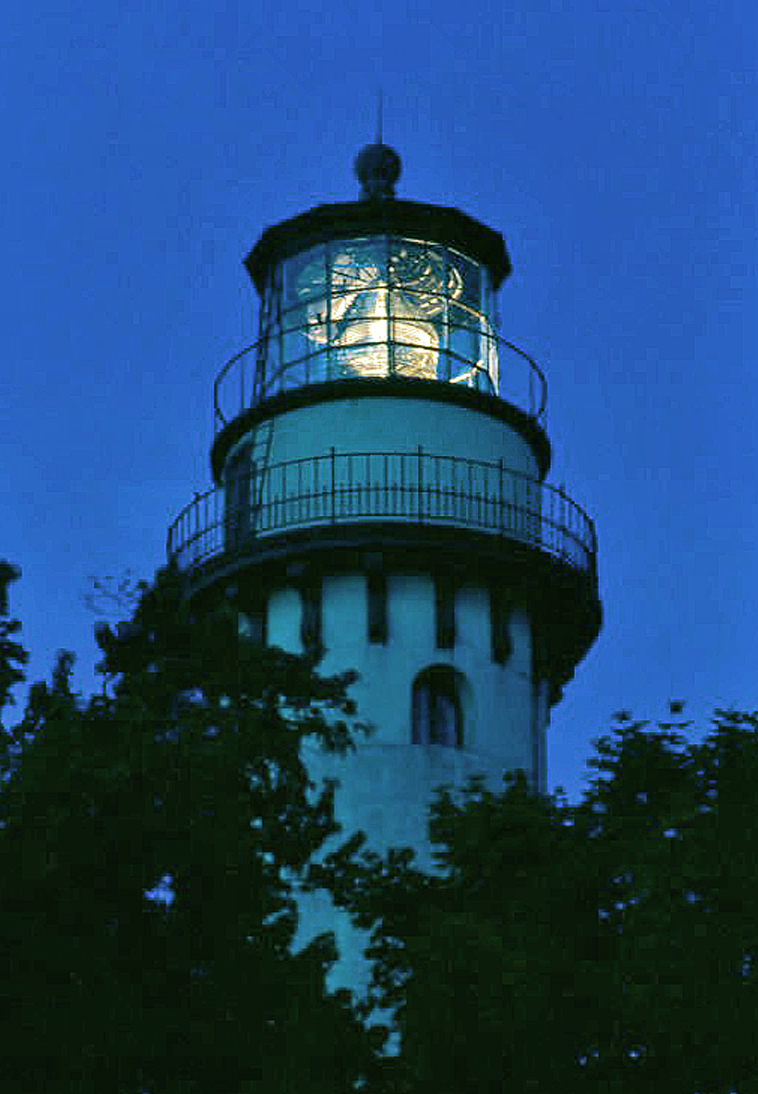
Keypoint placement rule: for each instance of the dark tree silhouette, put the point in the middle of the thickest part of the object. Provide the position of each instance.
(12, 654)
(150, 844)
(152, 839)
(609, 945)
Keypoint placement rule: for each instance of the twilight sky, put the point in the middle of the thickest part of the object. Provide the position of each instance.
(147, 145)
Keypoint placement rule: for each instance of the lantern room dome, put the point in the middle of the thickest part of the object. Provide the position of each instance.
(350, 219)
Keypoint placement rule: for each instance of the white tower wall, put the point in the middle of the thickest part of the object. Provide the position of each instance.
(500, 718)
(385, 424)
(387, 784)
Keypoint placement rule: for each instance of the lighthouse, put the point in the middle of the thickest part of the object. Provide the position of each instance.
(380, 498)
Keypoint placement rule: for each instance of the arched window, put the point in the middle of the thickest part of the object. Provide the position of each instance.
(437, 712)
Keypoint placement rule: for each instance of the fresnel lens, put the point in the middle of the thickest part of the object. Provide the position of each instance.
(384, 307)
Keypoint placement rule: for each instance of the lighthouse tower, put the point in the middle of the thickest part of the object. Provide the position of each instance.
(379, 466)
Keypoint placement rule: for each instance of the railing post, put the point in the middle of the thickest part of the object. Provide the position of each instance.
(420, 482)
(334, 488)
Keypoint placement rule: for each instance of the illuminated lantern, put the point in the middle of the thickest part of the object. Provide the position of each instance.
(387, 307)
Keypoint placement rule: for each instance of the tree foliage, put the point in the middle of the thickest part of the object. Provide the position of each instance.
(12, 654)
(609, 945)
(151, 840)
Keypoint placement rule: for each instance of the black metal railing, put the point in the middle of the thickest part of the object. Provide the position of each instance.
(411, 487)
(249, 377)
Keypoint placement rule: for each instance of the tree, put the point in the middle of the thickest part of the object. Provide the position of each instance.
(609, 945)
(12, 654)
(151, 842)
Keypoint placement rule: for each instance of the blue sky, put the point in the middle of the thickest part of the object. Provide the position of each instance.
(148, 145)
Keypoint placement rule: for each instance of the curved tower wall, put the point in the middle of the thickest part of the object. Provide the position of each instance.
(501, 723)
(388, 424)
(386, 786)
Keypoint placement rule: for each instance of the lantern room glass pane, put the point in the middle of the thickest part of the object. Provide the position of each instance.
(379, 307)
(470, 282)
(305, 277)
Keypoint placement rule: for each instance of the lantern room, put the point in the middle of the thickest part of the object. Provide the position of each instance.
(377, 288)
(378, 306)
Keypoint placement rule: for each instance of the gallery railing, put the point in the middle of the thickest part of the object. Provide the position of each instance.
(256, 373)
(352, 487)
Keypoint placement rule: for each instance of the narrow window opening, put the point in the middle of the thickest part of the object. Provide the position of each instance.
(444, 604)
(500, 611)
(376, 584)
(237, 482)
(310, 626)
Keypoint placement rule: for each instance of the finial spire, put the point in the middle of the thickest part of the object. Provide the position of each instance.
(377, 165)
